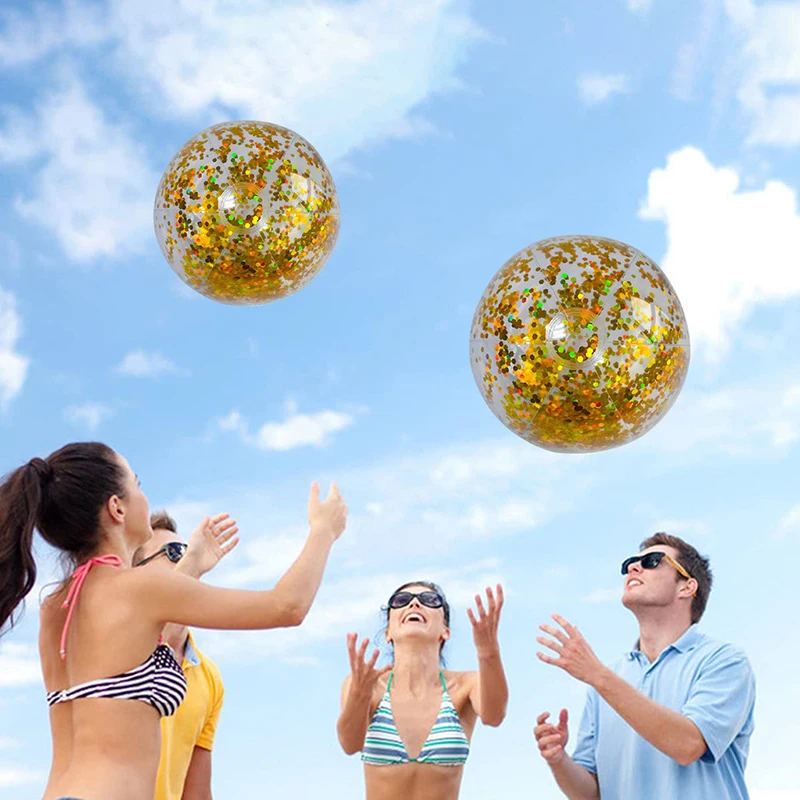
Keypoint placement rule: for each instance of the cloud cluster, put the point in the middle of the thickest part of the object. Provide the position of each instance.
(13, 365)
(728, 249)
(343, 74)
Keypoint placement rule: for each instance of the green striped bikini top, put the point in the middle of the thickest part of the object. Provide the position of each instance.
(447, 744)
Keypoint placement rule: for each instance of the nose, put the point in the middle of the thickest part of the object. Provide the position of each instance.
(635, 567)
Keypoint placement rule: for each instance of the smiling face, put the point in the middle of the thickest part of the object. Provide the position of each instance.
(661, 587)
(417, 622)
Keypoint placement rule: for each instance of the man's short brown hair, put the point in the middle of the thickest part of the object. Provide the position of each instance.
(695, 564)
(160, 520)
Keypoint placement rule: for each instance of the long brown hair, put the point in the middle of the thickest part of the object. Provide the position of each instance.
(61, 496)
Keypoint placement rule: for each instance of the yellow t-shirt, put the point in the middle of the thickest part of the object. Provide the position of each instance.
(192, 725)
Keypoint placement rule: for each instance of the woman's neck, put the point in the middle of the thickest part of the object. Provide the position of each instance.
(416, 669)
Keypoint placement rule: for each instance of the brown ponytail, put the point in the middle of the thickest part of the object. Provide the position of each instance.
(62, 497)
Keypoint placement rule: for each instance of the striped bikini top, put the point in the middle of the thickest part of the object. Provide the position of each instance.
(446, 745)
(159, 681)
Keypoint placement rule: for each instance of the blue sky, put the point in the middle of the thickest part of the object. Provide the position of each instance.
(457, 133)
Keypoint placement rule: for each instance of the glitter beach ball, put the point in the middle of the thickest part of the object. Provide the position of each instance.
(579, 344)
(246, 213)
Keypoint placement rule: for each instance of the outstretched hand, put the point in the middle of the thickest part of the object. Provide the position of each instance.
(211, 541)
(552, 739)
(363, 674)
(484, 627)
(329, 516)
(574, 654)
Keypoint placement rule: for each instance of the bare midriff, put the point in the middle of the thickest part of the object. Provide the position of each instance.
(412, 781)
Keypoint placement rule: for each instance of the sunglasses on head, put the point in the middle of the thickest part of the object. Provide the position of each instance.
(652, 560)
(429, 599)
(174, 551)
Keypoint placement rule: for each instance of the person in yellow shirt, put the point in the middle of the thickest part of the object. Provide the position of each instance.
(187, 737)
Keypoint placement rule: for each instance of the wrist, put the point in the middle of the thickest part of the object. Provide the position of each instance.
(320, 530)
(190, 565)
(601, 679)
(490, 653)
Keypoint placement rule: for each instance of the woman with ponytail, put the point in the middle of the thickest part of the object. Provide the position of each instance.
(108, 676)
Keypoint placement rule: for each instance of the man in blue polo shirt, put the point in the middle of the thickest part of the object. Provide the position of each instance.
(672, 718)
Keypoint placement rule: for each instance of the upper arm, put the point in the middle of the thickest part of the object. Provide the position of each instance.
(170, 596)
(206, 738)
(475, 693)
(721, 700)
(197, 785)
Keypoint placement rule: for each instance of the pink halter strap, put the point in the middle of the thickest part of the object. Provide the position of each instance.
(78, 577)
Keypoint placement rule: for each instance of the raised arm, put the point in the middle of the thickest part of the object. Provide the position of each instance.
(169, 596)
(489, 696)
(209, 543)
(574, 780)
(356, 699)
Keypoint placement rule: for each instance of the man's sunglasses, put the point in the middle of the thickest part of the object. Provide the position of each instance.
(429, 599)
(174, 551)
(652, 560)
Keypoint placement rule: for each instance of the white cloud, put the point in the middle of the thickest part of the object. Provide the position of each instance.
(739, 420)
(8, 744)
(349, 605)
(13, 366)
(595, 88)
(141, 364)
(84, 167)
(89, 415)
(27, 38)
(19, 665)
(728, 250)
(297, 430)
(639, 6)
(789, 524)
(14, 776)
(691, 53)
(342, 74)
(769, 90)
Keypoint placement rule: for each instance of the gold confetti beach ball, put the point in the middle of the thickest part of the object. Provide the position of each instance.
(246, 213)
(579, 344)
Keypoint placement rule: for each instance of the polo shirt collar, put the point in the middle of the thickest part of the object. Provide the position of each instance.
(189, 653)
(688, 641)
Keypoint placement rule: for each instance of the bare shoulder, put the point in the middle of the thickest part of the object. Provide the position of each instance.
(461, 683)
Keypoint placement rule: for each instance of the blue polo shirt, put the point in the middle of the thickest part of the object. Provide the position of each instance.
(710, 683)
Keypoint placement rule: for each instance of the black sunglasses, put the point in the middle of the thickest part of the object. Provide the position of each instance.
(174, 551)
(651, 561)
(429, 599)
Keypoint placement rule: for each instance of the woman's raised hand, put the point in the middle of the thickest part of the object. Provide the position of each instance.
(329, 516)
(363, 673)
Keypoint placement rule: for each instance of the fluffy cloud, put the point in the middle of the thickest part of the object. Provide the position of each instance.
(14, 776)
(140, 364)
(342, 73)
(739, 420)
(639, 6)
(89, 415)
(789, 524)
(594, 88)
(769, 90)
(13, 366)
(19, 665)
(74, 152)
(297, 430)
(728, 249)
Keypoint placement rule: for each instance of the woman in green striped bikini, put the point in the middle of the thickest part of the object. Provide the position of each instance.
(413, 721)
